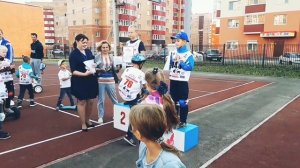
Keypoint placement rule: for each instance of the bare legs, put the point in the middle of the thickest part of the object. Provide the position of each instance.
(84, 108)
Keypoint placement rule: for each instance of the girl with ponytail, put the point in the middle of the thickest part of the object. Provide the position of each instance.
(148, 123)
(158, 95)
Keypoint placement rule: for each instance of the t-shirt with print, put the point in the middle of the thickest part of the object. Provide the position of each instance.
(132, 83)
(64, 74)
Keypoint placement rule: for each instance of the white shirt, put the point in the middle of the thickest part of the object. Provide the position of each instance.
(64, 74)
(132, 83)
(7, 76)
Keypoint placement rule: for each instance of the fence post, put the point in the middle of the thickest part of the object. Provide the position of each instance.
(264, 55)
(223, 54)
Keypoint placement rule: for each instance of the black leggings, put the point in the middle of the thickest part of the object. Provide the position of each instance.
(11, 93)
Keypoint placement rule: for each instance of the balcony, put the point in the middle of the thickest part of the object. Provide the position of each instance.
(253, 29)
(255, 8)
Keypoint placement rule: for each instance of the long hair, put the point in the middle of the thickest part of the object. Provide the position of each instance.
(79, 37)
(156, 81)
(150, 121)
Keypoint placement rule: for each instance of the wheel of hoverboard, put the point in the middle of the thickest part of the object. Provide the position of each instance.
(38, 89)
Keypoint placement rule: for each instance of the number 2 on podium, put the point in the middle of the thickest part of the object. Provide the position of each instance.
(123, 117)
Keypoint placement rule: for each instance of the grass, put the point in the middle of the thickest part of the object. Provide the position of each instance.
(274, 71)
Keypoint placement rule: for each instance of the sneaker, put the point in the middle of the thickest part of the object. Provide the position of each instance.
(130, 141)
(57, 108)
(8, 110)
(100, 120)
(19, 104)
(181, 124)
(4, 135)
(32, 103)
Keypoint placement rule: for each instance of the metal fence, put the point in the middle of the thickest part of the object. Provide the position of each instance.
(264, 55)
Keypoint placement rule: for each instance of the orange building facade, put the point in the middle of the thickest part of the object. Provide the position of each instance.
(256, 22)
(18, 21)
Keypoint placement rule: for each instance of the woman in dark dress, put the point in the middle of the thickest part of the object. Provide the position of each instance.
(84, 85)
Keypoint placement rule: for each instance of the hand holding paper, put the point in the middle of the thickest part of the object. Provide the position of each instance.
(90, 66)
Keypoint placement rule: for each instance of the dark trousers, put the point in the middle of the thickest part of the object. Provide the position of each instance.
(131, 104)
(63, 92)
(179, 90)
(23, 89)
(11, 93)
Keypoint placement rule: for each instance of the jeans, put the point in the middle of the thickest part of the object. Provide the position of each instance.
(22, 92)
(110, 89)
(35, 64)
(63, 92)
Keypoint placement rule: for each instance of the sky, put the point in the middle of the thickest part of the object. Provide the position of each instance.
(199, 6)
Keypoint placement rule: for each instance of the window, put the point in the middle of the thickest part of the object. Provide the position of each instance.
(97, 21)
(83, 10)
(97, 34)
(286, 1)
(148, 22)
(138, 5)
(280, 20)
(254, 19)
(83, 22)
(73, 11)
(148, 12)
(233, 23)
(97, 10)
(231, 45)
(252, 45)
(74, 22)
(233, 5)
(139, 26)
(256, 2)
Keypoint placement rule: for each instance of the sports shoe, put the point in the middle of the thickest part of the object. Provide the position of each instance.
(19, 104)
(130, 141)
(181, 124)
(100, 120)
(8, 110)
(32, 103)
(4, 135)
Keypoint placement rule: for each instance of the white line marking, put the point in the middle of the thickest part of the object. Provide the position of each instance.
(81, 152)
(42, 97)
(51, 139)
(199, 91)
(221, 90)
(201, 108)
(220, 80)
(245, 135)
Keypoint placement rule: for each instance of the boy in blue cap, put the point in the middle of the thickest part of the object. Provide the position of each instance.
(181, 65)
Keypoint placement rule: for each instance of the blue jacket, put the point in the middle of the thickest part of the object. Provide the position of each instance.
(165, 159)
(188, 65)
(10, 51)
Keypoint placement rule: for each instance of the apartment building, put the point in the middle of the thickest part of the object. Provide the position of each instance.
(155, 22)
(201, 30)
(18, 21)
(55, 21)
(254, 22)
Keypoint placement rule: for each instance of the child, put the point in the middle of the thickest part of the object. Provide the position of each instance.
(158, 95)
(181, 65)
(130, 87)
(26, 76)
(148, 125)
(7, 77)
(64, 77)
(3, 95)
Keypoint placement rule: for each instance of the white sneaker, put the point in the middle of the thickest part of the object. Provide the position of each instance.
(100, 121)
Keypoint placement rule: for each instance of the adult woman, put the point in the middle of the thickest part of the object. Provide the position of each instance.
(107, 77)
(83, 81)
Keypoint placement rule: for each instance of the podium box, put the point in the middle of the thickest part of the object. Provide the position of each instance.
(121, 116)
(186, 138)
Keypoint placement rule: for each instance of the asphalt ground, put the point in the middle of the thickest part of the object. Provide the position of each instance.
(220, 125)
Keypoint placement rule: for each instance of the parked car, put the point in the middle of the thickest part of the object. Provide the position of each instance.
(213, 55)
(290, 58)
(58, 51)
